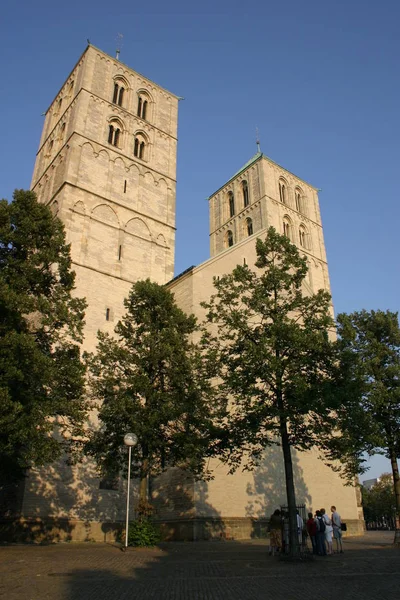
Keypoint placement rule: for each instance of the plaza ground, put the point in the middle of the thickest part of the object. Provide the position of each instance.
(369, 569)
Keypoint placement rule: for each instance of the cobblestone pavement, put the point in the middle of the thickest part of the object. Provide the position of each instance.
(369, 569)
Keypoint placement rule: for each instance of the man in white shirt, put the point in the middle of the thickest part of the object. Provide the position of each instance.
(337, 529)
(300, 526)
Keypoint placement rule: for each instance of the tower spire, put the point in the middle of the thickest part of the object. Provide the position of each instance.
(258, 141)
(119, 44)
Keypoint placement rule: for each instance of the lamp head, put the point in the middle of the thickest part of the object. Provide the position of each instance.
(130, 439)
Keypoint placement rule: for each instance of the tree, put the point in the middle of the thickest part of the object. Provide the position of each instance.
(379, 502)
(41, 375)
(151, 379)
(369, 418)
(276, 361)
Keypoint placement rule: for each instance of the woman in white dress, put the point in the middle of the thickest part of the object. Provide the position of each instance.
(328, 532)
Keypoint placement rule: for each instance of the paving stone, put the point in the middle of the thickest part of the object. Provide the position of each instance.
(368, 570)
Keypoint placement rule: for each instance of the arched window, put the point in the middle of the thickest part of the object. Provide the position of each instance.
(299, 200)
(245, 190)
(231, 200)
(228, 239)
(287, 228)
(143, 106)
(62, 132)
(114, 133)
(140, 146)
(249, 225)
(303, 237)
(283, 192)
(118, 95)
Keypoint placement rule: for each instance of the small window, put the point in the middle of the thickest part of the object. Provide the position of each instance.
(229, 239)
(142, 108)
(139, 147)
(249, 225)
(118, 94)
(114, 135)
(119, 253)
(108, 314)
(303, 237)
(245, 190)
(50, 148)
(299, 200)
(231, 200)
(287, 229)
(109, 483)
(125, 186)
(62, 132)
(283, 192)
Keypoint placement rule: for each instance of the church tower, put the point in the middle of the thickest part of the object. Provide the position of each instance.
(106, 166)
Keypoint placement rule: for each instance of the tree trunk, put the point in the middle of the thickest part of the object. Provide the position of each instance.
(294, 545)
(396, 485)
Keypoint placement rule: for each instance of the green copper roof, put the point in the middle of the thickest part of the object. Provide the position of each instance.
(249, 162)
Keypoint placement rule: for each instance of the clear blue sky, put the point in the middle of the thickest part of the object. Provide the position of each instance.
(319, 79)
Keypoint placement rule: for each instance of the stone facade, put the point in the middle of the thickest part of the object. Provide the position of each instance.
(106, 165)
(236, 505)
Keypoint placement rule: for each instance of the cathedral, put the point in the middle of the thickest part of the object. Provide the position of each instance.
(106, 166)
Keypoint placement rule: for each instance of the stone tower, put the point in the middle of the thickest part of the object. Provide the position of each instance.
(106, 165)
(261, 194)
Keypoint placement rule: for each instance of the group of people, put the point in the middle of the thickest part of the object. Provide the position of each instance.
(320, 529)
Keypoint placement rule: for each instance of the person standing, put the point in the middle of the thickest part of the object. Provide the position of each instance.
(311, 527)
(300, 527)
(275, 533)
(328, 532)
(320, 536)
(337, 529)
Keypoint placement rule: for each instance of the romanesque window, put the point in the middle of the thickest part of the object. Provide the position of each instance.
(118, 95)
(299, 199)
(249, 226)
(228, 239)
(287, 228)
(62, 132)
(140, 146)
(245, 190)
(303, 237)
(114, 134)
(231, 200)
(283, 195)
(143, 106)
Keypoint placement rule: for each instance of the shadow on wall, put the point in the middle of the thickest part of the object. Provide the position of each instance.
(182, 510)
(268, 490)
(62, 502)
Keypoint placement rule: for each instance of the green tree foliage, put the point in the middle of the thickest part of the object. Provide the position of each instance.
(369, 416)
(41, 374)
(150, 378)
(275, 359)
(379, 502)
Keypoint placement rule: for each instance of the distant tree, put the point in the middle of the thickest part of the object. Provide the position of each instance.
(42, 405)
(150, 378)
(275, 358)
(368, 419)
(379, 502)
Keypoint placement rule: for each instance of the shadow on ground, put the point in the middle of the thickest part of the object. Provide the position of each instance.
(369, 569)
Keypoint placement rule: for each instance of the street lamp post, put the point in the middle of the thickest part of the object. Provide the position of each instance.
(130, 440)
